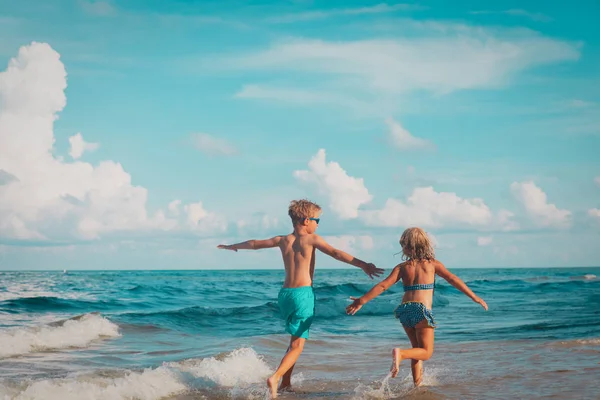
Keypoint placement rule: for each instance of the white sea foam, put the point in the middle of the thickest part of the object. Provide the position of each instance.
(400, 388)
(576, 343)
(77, 332)
(40, 289)
(241, 367)
(589, 277)
(242, 372)
(149, 384)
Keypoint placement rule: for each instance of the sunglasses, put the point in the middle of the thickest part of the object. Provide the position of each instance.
(315, 219)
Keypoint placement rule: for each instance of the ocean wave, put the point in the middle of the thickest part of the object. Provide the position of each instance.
(50, 304)
(27, 290)
(240, 373)
(157, 289)
(149, 384)
(239, 368)
(78, 332)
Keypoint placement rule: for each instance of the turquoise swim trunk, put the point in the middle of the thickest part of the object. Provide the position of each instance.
(297, 306)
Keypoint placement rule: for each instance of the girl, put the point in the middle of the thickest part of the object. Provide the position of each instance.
(418, 275)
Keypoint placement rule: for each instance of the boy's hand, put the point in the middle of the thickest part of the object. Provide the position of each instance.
(354, 307)
(483, 303)
(226, 247)
(371, 270)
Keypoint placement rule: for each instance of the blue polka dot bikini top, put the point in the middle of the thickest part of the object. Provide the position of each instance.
(420, 286)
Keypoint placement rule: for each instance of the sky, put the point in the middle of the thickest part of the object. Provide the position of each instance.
(142, 134)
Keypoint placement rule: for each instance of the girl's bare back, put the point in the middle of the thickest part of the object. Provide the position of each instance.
(418, 272)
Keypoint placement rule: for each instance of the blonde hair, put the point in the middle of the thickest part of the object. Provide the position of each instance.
(416, 245)
(301, 209)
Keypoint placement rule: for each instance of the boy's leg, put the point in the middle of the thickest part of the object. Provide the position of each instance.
(416, 366)
(288, 361)
(286, 380)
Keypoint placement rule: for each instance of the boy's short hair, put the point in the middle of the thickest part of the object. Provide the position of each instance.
(301, 209)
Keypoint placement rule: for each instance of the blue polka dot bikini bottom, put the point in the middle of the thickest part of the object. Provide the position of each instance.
(413, 312)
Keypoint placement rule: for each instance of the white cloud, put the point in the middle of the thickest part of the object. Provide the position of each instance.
(344, 193)
(430, 209)
(536, 203)
(173, 207)
(48, 197)
(258, 222)
(484, 240)
(79, 146)
(200, 220)
(519, 13)
(365, 242)
(402, 139)
(212, 145)
(316, 15)
(350, 243)
(594, 213)
(597, 180)
(444, 58)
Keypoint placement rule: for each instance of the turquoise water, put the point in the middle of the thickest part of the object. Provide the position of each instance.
(205, 334)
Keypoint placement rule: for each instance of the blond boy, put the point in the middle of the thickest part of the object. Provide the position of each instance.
(296, 297)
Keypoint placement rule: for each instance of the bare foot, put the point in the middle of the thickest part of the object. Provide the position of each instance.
(418, 378)
(396, 359)
(272, 384)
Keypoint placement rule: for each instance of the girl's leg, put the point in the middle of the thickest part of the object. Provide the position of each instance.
(424, 335)
(416, 366)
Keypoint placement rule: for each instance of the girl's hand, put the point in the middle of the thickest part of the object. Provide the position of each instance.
(354, 307)
(226, 247)
(483, 303)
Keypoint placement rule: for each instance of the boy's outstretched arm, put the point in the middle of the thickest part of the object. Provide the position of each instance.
(368, 268)
(455, 281)
(252, 244)
(374, 292)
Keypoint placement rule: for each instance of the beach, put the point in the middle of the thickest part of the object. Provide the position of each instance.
(217, 334)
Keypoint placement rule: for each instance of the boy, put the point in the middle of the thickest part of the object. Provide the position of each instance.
(296, 297)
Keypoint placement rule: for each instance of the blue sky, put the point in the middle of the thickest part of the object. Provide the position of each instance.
(141, 134)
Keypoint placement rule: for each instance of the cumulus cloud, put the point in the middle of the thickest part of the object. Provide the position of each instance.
(344, 193)
(258, 223)
(430, 209)
(48, 198)
(536, 204)
(350, 243)
(173, 207)
(484, 240)
(79, 146)
(594, 213)
(402, 138)
(212, 145)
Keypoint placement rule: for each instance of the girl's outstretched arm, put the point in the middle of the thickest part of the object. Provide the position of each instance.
(374, 292)
(455, 281)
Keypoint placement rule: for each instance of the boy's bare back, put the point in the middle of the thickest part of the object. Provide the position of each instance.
(298, 253)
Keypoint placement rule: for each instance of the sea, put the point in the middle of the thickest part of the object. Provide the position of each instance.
(218, 335)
